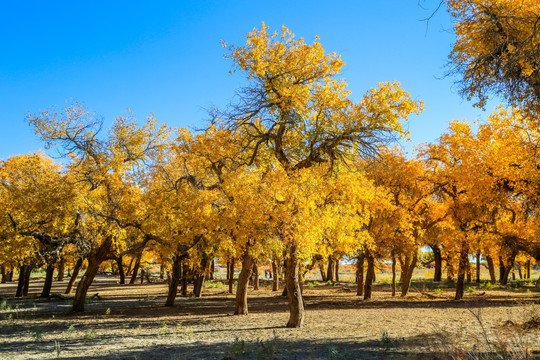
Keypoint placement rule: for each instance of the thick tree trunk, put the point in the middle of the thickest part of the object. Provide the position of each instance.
(393, 273)
(161, 271)
(4, 274)
(185, 273)
(491, 268)
(503, 275)
(46, 292)
(360, 274)
(520, 272)
(20, 284)
(10, 275)
(243, 279)
(337, 270)
(449, 270)
(462, 268)
(408, 264)
(230, 275)
(370, 275)
(199, 281)
(121, 274)
(26, 283)
(478, 267)
(136, 269)
(323, 273)
(130, 267)
(212, 269)
(61, 268)
(275, 276)
(294, 294)
(469, 271)
(437, 256)
(255, 277)
(330, 269)
(73, 277)
(94, 260)
(528, 267)
(174, 280)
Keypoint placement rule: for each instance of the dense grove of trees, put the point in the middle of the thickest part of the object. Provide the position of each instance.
(295, 174)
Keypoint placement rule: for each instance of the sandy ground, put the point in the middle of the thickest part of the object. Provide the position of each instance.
(130, 322)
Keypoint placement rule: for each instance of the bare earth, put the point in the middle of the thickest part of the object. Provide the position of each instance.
(130, 322)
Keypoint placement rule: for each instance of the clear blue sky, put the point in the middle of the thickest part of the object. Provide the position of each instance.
(165, 57)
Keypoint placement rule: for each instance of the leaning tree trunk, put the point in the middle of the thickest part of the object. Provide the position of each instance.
(61, 267)
(255, 277)
(294, 294)
(408, 264)
(370, 275)
(449, 270)
(212, 269)
(121, 274)
(94, 260)
(437, 257)
(73, 277)
(323, 273)
(174, 280)
(478, 267)
(502, 270)
(462, 268)
(360, 274)
(136, 269)
(26, 283)
(199, 281)
(10, 274)
(46, 292)
(491, 268)
(20, 284)
(243, 279)
(330, 269)
(393, 272)
(275, 276)
(185, 272)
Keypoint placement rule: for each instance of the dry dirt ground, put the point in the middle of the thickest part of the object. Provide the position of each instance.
(130, 322)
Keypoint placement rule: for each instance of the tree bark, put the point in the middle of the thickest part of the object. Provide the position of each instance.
(4, 274)
(10, 275)
(136, 269)
(199, 281)
(370, 275)
(185, 273)
(491, 268)
(462, 268)
(61, 267)
(437, 256)
(20, 284)
(73, 277)
(408, 264)
(330, 269)
(94, 260)
(174, 280)
(478, 267)
(449, 270)
(121, 274)
(360, 274)
(502, 271)
(230, 275)
(255, 277)
(46, 292)
(26, 283)
(294, 294)
(337, 270)
(528, 265)
(275, 276)
(161, 271)
(248, 264)
(469, 271)
(212, 269)
(393, 272)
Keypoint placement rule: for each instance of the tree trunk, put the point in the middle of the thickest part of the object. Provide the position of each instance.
(275, 276)
(61, 267)
(73, 277)
(449, 270)
(337, 270)
(437, 256)
(408, 264)
(129, 268)
(199, 281)
(4, 275)
(248, 264)
(20, 284)
(230, 275)
(185, 273)
(46, 292)
(255, 277)
(393, 272)
(174, 280)
(502, 271)
(121, 274)
(478, 267)
(462, 268)
(10, 274)
(370, 275)
(161, 271)
(491, 268)
(26, 283)
(94, 260)
(323, 273)
(136, 268)
(360, 274)
(212, 269)
(294, 294)
(528, 265)
(330, 269)
(469, 271)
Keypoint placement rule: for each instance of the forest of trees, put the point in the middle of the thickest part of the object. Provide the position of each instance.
(294, 173)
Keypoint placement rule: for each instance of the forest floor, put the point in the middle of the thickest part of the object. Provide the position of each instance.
(130, 322)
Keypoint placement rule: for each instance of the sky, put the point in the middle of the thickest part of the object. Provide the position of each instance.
(165, 57)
